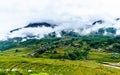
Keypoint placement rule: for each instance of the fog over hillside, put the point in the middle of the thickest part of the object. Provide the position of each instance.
(76, 15)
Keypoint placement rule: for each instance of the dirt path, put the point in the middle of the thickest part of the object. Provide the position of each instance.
(113, 65)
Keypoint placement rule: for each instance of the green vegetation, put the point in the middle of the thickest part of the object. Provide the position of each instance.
(20, 65)
(70, 54)
(104, 57)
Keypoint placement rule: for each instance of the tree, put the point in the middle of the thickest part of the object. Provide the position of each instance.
(101, 31)
(111, 30)
(116, 47)
(115, 56)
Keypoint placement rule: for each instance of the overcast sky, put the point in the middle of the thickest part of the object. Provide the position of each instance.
(18, 13)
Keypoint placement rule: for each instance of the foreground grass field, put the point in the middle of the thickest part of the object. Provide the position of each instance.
(12, 63)
(40, 66)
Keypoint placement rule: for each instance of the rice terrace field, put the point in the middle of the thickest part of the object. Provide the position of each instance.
(19, 64)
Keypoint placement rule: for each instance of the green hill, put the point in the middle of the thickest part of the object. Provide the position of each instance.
(83, 55)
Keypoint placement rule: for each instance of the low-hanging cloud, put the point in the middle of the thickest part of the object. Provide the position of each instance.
(69, 14)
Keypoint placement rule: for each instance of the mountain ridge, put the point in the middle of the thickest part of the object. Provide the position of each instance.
(35, 25)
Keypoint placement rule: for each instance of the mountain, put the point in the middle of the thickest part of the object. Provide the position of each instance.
(35, 25)
(95, 27)
(40, 25)
(15, 30)
(99, 22)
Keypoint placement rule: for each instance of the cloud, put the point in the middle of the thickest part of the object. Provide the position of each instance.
(67, 13)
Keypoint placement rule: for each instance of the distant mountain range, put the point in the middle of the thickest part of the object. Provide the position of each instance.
(98, 27)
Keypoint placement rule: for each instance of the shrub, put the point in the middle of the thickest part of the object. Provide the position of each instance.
(115, 56)
(116, 47)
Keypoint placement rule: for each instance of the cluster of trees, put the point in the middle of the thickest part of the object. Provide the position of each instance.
(49, 45)
(109, 30)
(4, 45)
(97, 41)
(69, 33)
(108, 43)
(115, 47)
(79, 54)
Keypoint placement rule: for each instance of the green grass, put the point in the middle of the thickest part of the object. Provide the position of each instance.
(55, 66)
(40, 74)
(44, 66)
(102, 57)
(23, 52)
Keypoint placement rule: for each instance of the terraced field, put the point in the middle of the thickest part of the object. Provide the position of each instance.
(53, 67)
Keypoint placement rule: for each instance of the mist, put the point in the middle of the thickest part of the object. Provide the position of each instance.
(67, 14)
